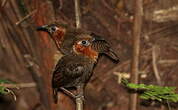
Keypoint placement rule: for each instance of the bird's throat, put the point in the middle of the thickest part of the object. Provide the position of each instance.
(58, 37)
(88, 52)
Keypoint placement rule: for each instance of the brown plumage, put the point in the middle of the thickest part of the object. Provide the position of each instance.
(75, 70)
(64, 36)
(81, 50)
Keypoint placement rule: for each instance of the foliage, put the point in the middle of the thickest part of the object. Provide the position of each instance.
(4, 90)
(154, 92)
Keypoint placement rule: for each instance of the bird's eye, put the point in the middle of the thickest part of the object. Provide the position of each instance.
(53, 29)
(84, 42)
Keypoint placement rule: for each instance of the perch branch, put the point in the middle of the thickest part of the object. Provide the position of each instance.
(136, 48)
(79, 100)
(79, 103)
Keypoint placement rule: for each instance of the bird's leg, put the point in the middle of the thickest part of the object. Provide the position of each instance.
(80, 92)
(79, 100)
(68, 92)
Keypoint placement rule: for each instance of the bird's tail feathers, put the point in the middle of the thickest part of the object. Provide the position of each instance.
(112, 55)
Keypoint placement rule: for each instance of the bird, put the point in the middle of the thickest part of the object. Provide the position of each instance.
(64, 36)
(75, 69)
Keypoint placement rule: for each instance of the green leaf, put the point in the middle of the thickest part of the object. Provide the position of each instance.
(154, 92)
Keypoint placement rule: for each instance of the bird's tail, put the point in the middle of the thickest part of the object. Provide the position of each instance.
(55, 95)
(104, 47)
(112, 55)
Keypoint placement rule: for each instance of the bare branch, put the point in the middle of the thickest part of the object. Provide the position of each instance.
(77, 13)
(155, 68)
(79, 100)
(26, 17)
(136, 49)
(20, 85)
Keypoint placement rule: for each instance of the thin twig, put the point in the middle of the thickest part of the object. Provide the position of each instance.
(3, 3)
(155, 68)
(136, 49)
(61, 4)
(172, 61)
(77, 13)
(168, 104)
(37, 77)
(26, 17)
(18, 86)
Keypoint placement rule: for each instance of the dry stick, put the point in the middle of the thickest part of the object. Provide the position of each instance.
(155, 68)
(18, 86)
(36, 75)
(78, 100)
(136, 49)
(26, 17)
(77, 13)
(3, 3)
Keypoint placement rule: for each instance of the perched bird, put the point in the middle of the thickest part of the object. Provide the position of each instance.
(64, 36)
(75, 69)
(81, 50)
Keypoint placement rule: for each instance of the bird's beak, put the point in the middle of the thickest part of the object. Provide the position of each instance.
(43, 28)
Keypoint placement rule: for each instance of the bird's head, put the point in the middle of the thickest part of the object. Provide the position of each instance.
(83, 46)
(52, 29)
(56, 31)
(92, 45)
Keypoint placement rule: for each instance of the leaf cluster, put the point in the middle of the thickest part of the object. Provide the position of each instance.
(154, 92)
(4, 90)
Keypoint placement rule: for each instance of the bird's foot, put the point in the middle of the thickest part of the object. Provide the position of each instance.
(69, 93)
(80, 97)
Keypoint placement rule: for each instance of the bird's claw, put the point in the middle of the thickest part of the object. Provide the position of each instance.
(80, 96)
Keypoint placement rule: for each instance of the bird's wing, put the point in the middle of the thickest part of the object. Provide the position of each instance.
(65, 72)
(74, 70)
